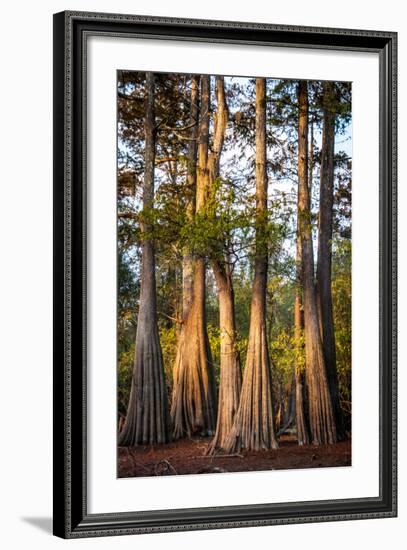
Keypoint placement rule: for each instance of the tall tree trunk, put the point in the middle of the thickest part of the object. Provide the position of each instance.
(302, 431)
(187, 258)
(230, 373)
(147, 419)
(253, 426)
(321, 417)
(193, 407)
(187, 263)
(324, 264)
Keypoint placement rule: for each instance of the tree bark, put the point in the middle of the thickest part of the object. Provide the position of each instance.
(193, 408)
(302, 431)
(324, 263)
(321, 417)
(230, 373)
(187, 258)
(187, 262)
(147, 420)
(253, 426)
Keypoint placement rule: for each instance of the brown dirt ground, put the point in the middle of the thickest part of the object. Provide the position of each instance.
(187, 456)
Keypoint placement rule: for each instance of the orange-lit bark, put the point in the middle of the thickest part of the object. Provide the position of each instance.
(253, 426)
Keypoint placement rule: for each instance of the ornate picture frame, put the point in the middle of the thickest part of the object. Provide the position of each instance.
(71, 33)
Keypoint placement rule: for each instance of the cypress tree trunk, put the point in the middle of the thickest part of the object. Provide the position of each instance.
(147, 420)
(193, 408)
(187, 258)
(321, 417)
(187, 263)
(302, 431)
(253, 426)
(230, 374)
(324, 264)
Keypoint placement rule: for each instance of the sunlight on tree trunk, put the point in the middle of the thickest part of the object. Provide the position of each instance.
(193, 408)
(187, 261)
(187, 258)
(302, 431)
(253, 426)
(230, 374)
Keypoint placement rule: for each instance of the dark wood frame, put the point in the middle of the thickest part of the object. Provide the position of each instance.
(71, 518)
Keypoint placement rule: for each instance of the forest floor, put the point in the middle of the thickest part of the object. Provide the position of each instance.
(187, 456)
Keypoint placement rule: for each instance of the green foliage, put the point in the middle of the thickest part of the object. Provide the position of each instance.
(283, 355)
(342, 308)
(168, 339)
(214, 343)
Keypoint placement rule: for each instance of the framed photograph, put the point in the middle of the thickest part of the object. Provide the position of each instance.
(224, 274)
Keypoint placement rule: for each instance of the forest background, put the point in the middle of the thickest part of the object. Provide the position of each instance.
(230, 227)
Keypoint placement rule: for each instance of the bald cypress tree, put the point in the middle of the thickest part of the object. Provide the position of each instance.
(324, 263)
(321, 415)
(193, 408)
(230, 373)
(147, 419)
(187, 258)
(300, 414)
(187, 262)
(253, 426)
